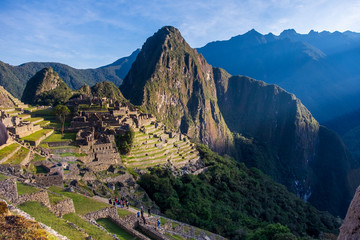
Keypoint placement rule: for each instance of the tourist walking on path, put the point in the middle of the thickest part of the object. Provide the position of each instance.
(158, 223)
(149, 211)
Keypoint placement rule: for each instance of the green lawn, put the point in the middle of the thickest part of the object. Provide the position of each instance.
(43, 123)
(92, 230)
(68, 154)
(25, 189)
(115, 229)
(57, 137)
(24, 115)
(3, 177)
(36, 135)
(17, 157)
(54, 198)
(43, 214)
(83, 204)
(5, 151)
(38, 158)
(123, 212)
(34, 119)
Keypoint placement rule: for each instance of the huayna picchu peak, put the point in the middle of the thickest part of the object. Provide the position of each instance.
(172, 81)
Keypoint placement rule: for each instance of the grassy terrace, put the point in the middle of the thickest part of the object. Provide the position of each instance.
(25, 189)
(57, 137)
(3, 177)
(68, 154)
(83, 204)
(36, 135)
(18, 156)
(38, 158)
(30, 119)
(5, 151)
(115, 229)
(43, 123)
(24, 116)
(92, 230)
(54, 198)
(43, 214)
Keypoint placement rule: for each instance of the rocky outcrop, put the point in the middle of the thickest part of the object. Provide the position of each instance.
(107, 89)
(46, 88)
(350, 229)
(8, 189)
(172, 81)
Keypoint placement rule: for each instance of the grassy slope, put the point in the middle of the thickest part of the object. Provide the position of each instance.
(5, 151)
(83, 204)
(115, 229)
(25, 189)
(42, 214)
(18, 156)
(36, 135)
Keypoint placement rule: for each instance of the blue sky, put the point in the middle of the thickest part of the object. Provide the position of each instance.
(93, 33)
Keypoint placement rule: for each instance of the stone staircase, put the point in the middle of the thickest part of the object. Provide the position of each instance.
(153, 146)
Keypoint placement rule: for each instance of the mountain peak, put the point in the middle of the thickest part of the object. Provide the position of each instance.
(288, 32)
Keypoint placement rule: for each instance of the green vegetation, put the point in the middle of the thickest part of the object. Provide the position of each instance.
(3, 177)
(92, 230)
(233, 201)
(38, 158)
(18, 157)
(107, 89)
(174, 237)
(123, 212)
(57, 137)
(25, 189)
(33, 119)
(115, 229)
(36, 135)
(83, 204)
(61, 111)
(125, 141)
(72, 154)
(43, 214)
(5, 151)
(54, 198)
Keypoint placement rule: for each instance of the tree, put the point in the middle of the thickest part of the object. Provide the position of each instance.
(61, 111)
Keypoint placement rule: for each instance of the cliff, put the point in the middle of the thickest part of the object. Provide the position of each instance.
(172, 81)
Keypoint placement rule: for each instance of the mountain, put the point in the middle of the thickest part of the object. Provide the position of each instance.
(6, 99)
(172, 81)
(106, 89)
(271, 129)
(14, 78)
(319, 68)
(46, 88)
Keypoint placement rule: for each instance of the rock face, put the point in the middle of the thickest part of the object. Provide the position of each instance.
(274, 117)
(350, 229)
(172, 81)
(46, 88)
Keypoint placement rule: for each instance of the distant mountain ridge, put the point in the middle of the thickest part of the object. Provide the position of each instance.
(14, 78)
(319, 68)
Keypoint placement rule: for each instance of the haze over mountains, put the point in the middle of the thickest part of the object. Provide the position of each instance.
(321, 69)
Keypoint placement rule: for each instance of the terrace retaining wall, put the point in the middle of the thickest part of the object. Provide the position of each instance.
(63, 207)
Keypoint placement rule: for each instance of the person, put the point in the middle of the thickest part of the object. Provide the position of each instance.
(110, 202)
(144, 219)
(138, 214)
(142, 211)
(158, 223)
(149, 211)
(3, 134)
(127, 204)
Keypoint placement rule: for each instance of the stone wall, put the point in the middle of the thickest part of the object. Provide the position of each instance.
(59, 144)
(10, 155)
(64, 207)
(41, 197)
(109, 212)
(37, 142)
(27, 159)
(152, 232)
(8, 189)
(49, 179)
